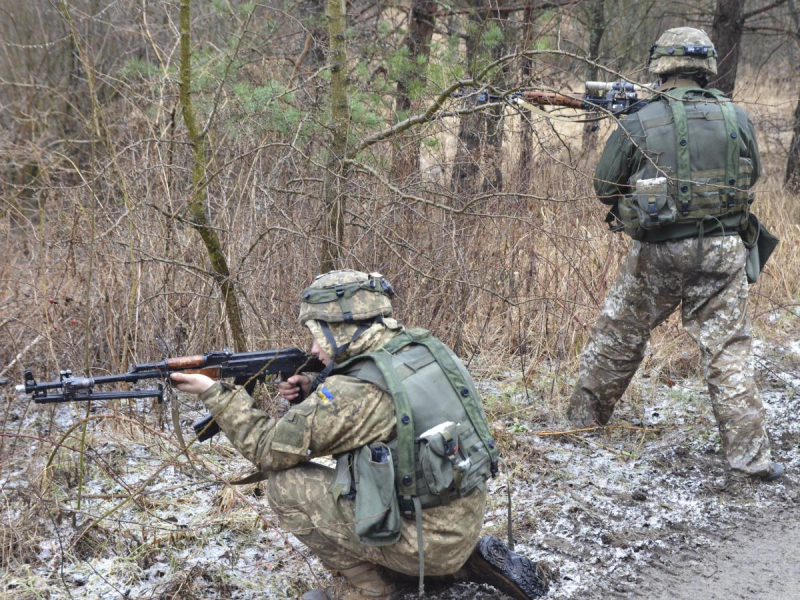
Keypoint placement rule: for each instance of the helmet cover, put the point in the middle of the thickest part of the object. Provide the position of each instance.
(683, 50)
(346, 296)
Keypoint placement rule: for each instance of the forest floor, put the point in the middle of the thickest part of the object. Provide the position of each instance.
(645, 509)
(639, 509)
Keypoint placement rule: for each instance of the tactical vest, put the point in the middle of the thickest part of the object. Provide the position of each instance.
(693, 178)
(443, 449)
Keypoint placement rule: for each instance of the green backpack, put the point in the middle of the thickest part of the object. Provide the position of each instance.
(671, 198)
(443, 449)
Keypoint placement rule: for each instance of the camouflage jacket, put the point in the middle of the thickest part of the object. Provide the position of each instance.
(345, 414)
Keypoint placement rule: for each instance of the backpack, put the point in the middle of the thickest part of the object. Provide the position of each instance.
(671, 199)
(443, 449)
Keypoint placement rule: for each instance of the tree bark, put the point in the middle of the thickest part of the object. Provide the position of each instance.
(493, 179)
(526, 142)
(406, 149)
(597, 28)
(466, 167)
(726, 33)
(197, 211)
(793, 162)
(335, 174)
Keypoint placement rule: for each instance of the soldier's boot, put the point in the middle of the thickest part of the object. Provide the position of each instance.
(367, 581)
(364, 582)
(516, 576)
(774, 471)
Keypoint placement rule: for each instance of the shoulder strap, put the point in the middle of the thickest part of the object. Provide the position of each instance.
(684, 169)
(676, 102)
(460, 386)
(405, 474)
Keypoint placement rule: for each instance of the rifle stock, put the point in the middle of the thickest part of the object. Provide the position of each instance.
(553, 99)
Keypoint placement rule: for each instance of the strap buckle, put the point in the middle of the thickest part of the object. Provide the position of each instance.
(406, 505)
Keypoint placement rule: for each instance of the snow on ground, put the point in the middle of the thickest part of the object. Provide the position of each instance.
(596, 506)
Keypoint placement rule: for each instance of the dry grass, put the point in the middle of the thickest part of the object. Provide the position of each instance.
(100, 270)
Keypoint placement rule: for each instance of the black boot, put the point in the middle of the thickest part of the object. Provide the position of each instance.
(516, 576)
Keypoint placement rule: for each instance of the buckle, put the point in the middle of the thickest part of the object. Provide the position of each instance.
(406, 505)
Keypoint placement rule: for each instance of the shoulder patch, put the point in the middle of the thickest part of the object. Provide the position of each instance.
(325, 395)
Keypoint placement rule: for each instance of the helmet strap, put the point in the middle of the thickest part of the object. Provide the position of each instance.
(339, 350)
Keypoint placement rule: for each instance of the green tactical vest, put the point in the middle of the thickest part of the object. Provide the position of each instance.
(692, 176)
(443, 448)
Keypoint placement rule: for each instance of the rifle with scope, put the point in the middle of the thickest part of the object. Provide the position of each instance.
(246, 368)
(614, 97)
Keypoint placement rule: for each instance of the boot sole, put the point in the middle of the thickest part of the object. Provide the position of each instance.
(514, 575)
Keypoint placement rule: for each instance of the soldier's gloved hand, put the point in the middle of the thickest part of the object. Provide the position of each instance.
(295, 389)
(191, 383)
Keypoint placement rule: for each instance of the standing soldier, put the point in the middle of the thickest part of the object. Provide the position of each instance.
(677, 175)
(403, 419)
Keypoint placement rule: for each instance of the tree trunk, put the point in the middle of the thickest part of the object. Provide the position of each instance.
(726, 33)
(406, 152)
(335, 174)
(466, 167)
(197, 212)
(597, 28)
(525, 166)
(793, 163)
(493, 179)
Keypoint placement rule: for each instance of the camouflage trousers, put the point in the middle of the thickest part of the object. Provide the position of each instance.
(305, 507)
(653, 281)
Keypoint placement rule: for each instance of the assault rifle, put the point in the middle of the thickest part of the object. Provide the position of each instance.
(246, 368)
(615, 97)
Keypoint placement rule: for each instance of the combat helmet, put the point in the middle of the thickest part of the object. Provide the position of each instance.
(683, 50)
(346, 296)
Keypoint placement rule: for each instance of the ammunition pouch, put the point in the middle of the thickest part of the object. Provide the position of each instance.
(377, 512)
(760, 244)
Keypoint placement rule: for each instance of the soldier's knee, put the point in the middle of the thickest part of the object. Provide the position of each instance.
(280, 486)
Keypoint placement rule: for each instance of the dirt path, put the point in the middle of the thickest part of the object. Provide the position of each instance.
(756, 559)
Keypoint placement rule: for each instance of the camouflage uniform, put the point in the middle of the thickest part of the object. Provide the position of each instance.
(660, 274)
(653, 281)
(352, 413)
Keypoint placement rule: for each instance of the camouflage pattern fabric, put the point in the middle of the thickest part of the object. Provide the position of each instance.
(344, 414)
(679, 37)
(653, 281)
(363, 301)
(301, 499)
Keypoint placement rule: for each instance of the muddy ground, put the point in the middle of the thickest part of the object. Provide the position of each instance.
(639, 509)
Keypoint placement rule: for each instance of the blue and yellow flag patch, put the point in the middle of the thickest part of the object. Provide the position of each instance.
(325, 395)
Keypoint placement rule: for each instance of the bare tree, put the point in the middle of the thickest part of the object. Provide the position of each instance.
(336, 171)
(197, 203)
(406, 151)
(726, 33)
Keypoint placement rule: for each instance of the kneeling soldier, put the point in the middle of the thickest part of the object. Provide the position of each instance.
(403, 419)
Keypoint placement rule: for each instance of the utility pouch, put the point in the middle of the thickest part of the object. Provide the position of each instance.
(649, 207)
(342, 484)
(760, 244)
(438, 452)
(377, 509)
(653, 204)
